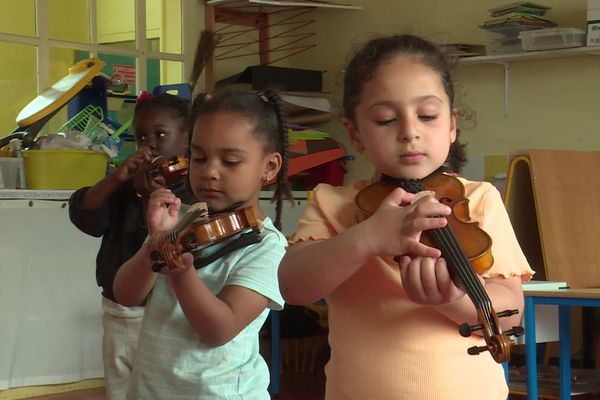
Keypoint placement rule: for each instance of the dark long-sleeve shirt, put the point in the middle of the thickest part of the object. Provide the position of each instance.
(120, 222)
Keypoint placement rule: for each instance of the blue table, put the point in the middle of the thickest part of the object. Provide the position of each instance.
(275, 353)
(564, 299)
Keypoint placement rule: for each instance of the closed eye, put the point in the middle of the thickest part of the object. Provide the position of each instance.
(428, 117)
(385, 122)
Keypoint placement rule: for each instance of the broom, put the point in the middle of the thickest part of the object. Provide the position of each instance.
(204, 50)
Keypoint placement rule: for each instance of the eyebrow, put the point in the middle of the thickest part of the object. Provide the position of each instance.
(418, 99)
(194, 146)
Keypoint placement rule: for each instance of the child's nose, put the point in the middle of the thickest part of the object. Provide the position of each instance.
(152, 144)
(210, 171)
(407, 131)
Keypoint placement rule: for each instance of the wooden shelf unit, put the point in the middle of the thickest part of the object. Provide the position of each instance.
(255, 14)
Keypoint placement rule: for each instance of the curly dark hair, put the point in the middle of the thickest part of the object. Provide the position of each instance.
(378, 51)
(265, 111)
(179, 107)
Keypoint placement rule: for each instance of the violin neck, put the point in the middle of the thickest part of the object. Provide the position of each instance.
(445, 240)
(185, 222)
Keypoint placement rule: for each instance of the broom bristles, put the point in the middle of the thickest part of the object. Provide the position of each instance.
(204, 50)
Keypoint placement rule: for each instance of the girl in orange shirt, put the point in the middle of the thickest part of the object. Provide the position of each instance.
(394, 324)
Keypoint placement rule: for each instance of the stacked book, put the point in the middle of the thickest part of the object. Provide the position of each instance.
(519, 14)
(508, 20)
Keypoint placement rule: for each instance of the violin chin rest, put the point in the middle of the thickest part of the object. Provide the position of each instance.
(198, 206)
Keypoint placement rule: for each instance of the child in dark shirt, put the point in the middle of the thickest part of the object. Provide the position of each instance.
(114, 209)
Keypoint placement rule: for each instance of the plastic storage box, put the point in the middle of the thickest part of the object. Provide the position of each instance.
(552, 38)
(63, 169)
(505, 39)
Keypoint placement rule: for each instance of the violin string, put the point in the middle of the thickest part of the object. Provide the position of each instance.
(484, 299)
(453, 255)
(461, 265)
(469, 279)
(471, 284)
(448, 240)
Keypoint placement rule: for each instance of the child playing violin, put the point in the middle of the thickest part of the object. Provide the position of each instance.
(394, 307)
(113, 209)
(199, 337)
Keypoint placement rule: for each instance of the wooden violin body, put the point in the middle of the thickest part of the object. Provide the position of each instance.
(193, 236)
(448, 190)
(466, 249)
(174, 170)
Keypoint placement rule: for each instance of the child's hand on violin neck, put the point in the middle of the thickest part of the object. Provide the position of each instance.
(427, 281)
(188, 265)
(395, 228)
(146, 182)
(127, 170)
(163, 210)
(158, 247)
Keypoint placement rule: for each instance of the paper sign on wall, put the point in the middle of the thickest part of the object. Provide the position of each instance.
(124, 73)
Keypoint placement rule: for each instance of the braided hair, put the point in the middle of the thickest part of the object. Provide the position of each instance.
(265, 111)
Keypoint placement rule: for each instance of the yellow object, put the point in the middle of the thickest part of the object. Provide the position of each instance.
(61, 92)
(46, 390)
(493, 165)
(63, 169)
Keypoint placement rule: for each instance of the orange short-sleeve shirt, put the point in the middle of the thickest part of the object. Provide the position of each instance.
(384, 346)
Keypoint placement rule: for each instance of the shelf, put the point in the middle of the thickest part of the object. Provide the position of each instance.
(506, 59)
(284, 3)
(530, 55)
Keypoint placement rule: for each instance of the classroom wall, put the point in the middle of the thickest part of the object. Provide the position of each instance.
(552, 102)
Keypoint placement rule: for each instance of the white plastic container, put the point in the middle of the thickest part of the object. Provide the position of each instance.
(504, 39)
(9, 172)
(552, 38)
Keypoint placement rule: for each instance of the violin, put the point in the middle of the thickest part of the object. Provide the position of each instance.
(465, 247)
(174, 169)
(198, 231)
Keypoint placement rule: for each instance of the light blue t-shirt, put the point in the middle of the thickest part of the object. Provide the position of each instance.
(173, 363)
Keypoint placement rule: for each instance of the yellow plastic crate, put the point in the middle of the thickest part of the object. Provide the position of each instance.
(63, 169)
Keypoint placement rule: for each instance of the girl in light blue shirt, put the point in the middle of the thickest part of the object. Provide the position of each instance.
(199, 337)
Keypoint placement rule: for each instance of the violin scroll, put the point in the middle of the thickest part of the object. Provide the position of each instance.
(174, 170)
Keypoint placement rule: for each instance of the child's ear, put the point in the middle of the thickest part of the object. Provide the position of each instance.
(353, 135)
(273, 163)
(453, 127)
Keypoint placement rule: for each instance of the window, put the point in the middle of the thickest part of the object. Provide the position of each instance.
(142, 43)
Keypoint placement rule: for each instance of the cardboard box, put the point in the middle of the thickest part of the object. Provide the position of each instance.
(593, 23)
(593, 4)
